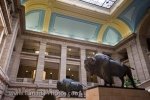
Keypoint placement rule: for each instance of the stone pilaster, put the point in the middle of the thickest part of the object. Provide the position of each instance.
(16, 60)
(62, 69)
(142, 49)
(135, 62)
(82, 71)
(40, 63)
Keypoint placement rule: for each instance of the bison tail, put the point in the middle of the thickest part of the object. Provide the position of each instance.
(129, 74)
(128, 67)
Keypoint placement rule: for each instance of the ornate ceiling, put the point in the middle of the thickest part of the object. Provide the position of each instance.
(68, 19)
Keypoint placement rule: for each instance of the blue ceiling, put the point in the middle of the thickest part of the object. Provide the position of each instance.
(133, 14)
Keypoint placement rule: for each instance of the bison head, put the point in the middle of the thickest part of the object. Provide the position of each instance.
(89, 63)
(59, 85)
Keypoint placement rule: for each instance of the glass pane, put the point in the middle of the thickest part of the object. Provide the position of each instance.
(101, 3)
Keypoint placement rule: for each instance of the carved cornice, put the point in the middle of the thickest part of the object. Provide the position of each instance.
(65, 40)
(125, 42)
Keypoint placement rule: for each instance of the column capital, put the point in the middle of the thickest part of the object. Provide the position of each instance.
(83, 49)
(43, 41)
(64, 45)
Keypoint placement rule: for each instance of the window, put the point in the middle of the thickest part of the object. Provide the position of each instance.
(102, 3)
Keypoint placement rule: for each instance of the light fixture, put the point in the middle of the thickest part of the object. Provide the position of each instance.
(72, 75)
(46, 53)
(27, 71)
(69, 69)
(51, 73)
(69, 49)
(93, 53)
(37, 52)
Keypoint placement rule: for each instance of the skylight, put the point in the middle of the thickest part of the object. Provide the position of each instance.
(102, 3)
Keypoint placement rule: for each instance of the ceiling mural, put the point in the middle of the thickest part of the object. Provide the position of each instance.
(74, 28)
(34, 20)
(108, 34)
(133, 14)
(59, 17)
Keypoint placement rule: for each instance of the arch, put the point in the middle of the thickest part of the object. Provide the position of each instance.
(116, 24)
(144, 25)
(40, 4)
(142, 37)
(21, 97)
(49, 97)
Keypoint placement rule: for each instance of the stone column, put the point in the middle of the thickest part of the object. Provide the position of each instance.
(143, 50)
(62, 69)
(135, 62)
(16, 60)
(40, 63)
(82, 71)
(99, 80)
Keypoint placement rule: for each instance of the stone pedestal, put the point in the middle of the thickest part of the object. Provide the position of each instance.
(109, 93)
(71, 99)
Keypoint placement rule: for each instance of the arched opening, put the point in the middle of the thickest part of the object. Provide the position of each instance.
(144, 39)
(49, 97)
(21, 97)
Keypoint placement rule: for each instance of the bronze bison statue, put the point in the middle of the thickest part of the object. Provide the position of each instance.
(68, 86)
(104, 67)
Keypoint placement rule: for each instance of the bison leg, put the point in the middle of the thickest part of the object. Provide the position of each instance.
(82, 93)
(129, 74)
(122, 80)
(105, 83)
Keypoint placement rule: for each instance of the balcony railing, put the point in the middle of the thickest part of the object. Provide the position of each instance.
(24, 80)
(50, 82)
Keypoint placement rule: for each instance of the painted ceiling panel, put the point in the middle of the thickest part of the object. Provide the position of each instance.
(73, 27)
(34, 20)
(133, 14)
(111, 36)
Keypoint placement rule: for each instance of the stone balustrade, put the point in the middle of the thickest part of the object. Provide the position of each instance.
(25, 80)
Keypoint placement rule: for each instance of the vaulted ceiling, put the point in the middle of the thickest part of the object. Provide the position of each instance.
(88, 20)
